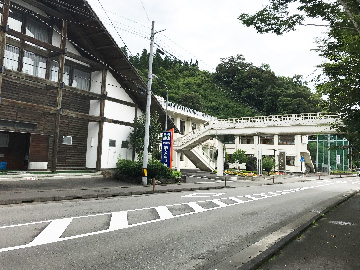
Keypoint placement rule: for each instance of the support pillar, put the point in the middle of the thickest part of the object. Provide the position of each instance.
(59, 96)
(101, 123)
(177, 156)
(220, 159)
(135, 119)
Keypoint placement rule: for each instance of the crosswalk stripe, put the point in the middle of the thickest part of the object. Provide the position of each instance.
(237, 200)
(164, 212)
(119, 220)
(52, 232)
(219, 203)
(197, 208)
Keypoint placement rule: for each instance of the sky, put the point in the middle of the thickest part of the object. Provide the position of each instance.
(208, 30)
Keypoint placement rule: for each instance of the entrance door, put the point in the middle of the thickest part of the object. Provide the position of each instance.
(39, 152)
(14, 149)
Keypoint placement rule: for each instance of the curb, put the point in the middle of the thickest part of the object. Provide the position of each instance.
(102, 195)
(274, 249)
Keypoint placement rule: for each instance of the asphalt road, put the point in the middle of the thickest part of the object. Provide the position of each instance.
(187, 230)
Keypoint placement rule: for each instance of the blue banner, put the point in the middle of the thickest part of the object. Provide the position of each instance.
(166, 149)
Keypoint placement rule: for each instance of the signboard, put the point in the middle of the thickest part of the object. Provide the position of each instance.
(282, 161)
(338, 160)
(302, 159)
(166, 155)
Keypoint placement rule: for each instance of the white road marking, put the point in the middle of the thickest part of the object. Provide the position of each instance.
(52, 232)
(197, 208)
(202, 195)
(219, 203)
(164, 212)
(119, 220)
(237, 200)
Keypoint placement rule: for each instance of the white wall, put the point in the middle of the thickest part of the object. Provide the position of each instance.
(115, 132)
(110, 155)
(92, 142)
(266, 149)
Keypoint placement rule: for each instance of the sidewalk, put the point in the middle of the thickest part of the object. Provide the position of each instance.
(332, 242)
(25, 189)
(28, 188)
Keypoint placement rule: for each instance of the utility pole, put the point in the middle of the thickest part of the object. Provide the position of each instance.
(167, 101)
(148, 104)
(329, 153)
(317, 153)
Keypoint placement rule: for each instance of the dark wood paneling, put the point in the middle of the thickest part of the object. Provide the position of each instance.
(39, 148)
(69, 156)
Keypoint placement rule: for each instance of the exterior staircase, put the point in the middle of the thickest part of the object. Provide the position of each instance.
(296, 124)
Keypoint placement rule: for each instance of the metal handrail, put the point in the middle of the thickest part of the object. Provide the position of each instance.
(260, 121)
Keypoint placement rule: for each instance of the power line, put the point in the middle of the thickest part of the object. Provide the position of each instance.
(144, 10)
(114, 27)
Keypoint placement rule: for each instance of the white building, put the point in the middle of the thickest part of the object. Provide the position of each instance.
(289, 147)
(289, 150)
(187, 121)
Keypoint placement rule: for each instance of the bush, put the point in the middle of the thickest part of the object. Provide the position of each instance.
(158, 170)
(133, 170)
(128, 168)
(176, 174)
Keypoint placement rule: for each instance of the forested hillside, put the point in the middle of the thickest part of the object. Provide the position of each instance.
(236, 89)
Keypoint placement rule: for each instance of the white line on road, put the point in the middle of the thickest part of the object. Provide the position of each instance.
(119, 220)
(219, 203)
(164, 212)
(52, 232)
(197, 208)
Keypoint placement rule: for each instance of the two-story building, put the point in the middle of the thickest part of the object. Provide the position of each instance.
(68, 94)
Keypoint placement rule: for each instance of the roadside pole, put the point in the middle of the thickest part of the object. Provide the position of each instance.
(148, 104)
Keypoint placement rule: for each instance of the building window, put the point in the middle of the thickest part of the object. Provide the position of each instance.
(112, 143)
(181, 157)
(4, 140)
(267, 140)
(285, 140)
(290, 161)
(11, 60)
(37, 30)
(246, 140)
(15, 20)
(34, 64)
(182, 127)
(81, 79)
(54, 70)
(193, 126)
(229, 139)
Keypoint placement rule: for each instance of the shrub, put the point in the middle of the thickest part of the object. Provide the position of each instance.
(128, 168)
(133, 169)
(158, 170)
(176, 174)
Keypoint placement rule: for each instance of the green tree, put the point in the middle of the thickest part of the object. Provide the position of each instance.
(268, 163)
(341, 49)
(262, 90)
(138, 134)
(239, 156)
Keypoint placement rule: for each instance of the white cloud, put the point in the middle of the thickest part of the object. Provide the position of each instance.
(208, 30)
